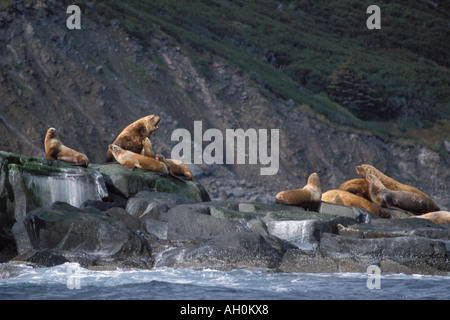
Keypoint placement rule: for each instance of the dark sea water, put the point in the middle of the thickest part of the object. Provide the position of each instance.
(70, 281)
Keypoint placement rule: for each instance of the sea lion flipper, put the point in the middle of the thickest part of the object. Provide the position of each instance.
(129, 164)
(147, 148)
(71, 160)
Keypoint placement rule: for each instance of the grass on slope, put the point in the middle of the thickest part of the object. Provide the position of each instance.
(290, 48)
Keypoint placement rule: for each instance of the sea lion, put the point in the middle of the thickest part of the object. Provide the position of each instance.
(345, 198)
(56, 150)
(134, 160)
(386, 198)
(365, 169)
(359, 187)
(176, 167)
(147, 148)
(438, 217)
(131, 137)
(308, 197)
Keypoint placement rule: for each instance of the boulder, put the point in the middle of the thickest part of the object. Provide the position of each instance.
(125, 182)
(152, 203)
(194, 221)
(30, 183)
(395, 245)
(68, 230)
(236, 250)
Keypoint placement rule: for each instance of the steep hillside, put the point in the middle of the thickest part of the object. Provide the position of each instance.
(233, 64)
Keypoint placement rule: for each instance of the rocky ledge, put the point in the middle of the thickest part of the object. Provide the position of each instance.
(107, 216)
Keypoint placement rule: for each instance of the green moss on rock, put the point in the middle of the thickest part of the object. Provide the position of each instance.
(128, 182)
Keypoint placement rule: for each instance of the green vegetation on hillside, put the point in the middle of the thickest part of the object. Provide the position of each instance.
(399, 76)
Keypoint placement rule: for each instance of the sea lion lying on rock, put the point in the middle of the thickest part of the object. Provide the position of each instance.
(133, 160)
(391, 184)
(176, 167)
(359, 187)
(132, 136)
(346, 198)
(386, 198)
(56, 150)
(438, 217)
(308, 197)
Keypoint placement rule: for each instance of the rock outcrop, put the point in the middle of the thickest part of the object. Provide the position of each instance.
(139, 219)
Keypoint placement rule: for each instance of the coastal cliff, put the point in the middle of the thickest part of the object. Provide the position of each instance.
(138, 219)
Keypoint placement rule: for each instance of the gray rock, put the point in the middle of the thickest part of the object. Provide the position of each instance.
(127, 183)
(64, 228)
(47, 258)
(31, 183)
(305, 233)
(360, 215)
(154, 203)
(316, 261)
(157, 228)
(193, 221)
(226, 252)
(392, 228)
(416, 253)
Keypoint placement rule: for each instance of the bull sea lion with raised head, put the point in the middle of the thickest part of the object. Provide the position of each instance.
(134, 160)
(56, 150)
(348, 199)
(308, 197)
(132, 136)
(365, 169)
(386, 198)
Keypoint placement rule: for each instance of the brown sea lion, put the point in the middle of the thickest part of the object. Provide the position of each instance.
(345, 198)
(131, 137)
(147, 148)
(56, 150)
(386, 198)
(365, 169)
(438, 217)
(308, 197)
(359, 187)
(176, 167)
(134, 160)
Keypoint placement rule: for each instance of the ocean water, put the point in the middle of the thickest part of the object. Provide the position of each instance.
(70, 281)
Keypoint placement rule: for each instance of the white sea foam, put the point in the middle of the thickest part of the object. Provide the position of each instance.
(71, 281)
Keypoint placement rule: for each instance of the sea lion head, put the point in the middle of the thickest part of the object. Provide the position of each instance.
(160, 157)
(146, 143)
(51, 133)
(152, 123)
(374, 182)
(114, 149)
(314, 180)
(360, 170)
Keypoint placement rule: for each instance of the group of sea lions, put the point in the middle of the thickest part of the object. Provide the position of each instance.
(374, 192)
(132, 148)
